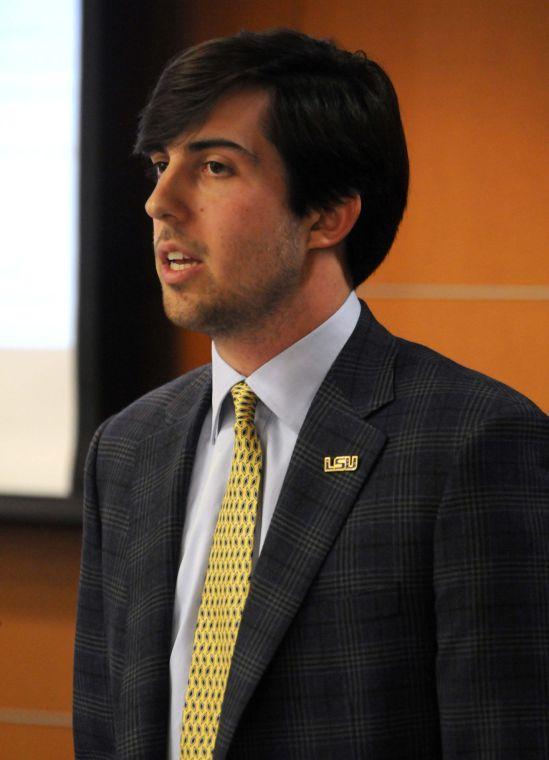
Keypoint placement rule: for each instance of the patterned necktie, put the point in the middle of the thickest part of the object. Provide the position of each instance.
(226, 585)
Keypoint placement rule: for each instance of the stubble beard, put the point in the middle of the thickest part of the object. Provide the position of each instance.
(242, 310)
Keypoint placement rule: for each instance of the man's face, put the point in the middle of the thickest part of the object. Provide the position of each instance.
(229, 252)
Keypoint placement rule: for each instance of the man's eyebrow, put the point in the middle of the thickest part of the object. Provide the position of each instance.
(221, 142)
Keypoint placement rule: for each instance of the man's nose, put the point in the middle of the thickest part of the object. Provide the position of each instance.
(168, 198)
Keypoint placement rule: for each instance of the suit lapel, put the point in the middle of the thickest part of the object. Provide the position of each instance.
(163, 468)
(313, 505)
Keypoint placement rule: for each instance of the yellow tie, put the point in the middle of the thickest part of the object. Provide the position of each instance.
(226, 585)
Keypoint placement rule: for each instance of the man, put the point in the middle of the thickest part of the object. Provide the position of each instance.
(358, 569)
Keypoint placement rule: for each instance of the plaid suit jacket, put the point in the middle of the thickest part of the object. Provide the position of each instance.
(397, 612)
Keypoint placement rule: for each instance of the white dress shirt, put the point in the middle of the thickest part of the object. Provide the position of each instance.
(285, 387)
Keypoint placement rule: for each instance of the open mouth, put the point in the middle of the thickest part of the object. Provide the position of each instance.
(178, 261)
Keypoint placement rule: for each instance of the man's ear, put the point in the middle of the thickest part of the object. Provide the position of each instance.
(330, 226)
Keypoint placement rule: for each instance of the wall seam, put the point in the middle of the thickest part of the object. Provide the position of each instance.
(16, 716)
(455, 292)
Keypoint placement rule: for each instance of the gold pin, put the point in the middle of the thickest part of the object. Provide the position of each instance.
(340, 464)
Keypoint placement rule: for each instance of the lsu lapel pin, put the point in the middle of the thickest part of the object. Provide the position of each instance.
(340, 464)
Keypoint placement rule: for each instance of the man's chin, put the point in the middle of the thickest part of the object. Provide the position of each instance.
(181, 311)
(184, 320)
(217, 317)
(193, 317)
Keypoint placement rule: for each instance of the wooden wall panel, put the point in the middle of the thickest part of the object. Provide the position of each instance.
(39, 571)
(27, 742)
(470, 81)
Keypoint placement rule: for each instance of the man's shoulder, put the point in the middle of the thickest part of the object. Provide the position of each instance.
(415, 382)
(158, 407)
(423, 375)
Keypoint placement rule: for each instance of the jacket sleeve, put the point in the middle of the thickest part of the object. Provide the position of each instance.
(93, 724)
(491, 575)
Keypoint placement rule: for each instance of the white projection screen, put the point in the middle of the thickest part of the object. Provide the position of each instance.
(39, 133)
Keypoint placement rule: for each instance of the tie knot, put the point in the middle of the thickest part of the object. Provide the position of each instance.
(245, 402)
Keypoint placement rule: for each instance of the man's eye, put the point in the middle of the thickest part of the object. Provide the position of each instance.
(216, 169)
(155, 169)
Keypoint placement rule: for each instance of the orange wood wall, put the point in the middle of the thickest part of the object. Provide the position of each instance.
(38, 578)
(468, 74)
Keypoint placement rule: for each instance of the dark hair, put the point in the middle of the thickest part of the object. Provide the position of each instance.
(333, 117)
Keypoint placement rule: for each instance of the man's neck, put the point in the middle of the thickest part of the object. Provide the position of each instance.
(247, 352)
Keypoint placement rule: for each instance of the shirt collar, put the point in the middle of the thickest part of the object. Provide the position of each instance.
(288, 382)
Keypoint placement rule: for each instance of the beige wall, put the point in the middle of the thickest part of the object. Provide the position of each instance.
(469, 80)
